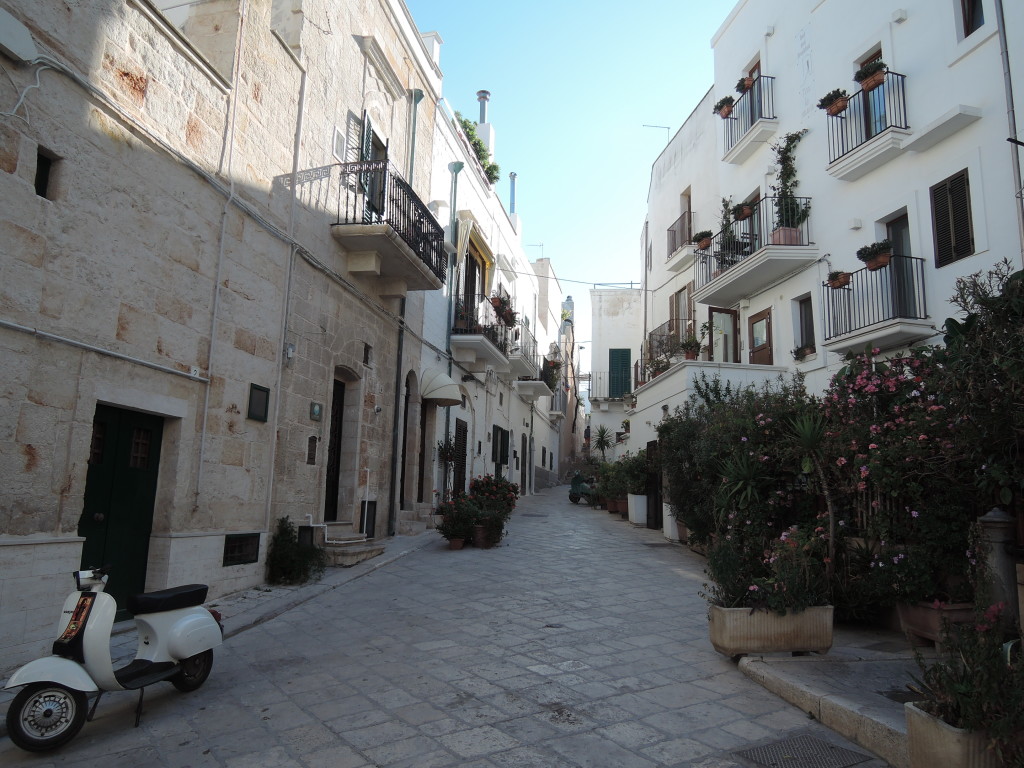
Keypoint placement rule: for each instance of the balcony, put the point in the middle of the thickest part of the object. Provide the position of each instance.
(477, 341)
(871, 131)
(755, 252)
(523, 359)
(387, 230)
(885, 308)
(752, 121)
(680, 250)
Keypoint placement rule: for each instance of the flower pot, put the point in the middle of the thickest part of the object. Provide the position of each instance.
(878, 261)
(456, 543)
(923, 621)
(837, 107)
(725, 111)
(871, 82)
(612, 505)
(495, 302)
(932, 742)
(787, 236)
(840, 282)
(745, 213)
(736, 631)
(690, 355)
(637, 509)
(704, 243)
(748, 83)
(479, 536)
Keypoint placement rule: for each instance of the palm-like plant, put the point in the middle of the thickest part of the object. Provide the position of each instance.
(602, 440)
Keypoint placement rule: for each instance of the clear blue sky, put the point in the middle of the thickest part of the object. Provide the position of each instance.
(572, 85)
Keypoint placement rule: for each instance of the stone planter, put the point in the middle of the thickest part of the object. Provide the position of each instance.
(736, 631)
(787, 236)
(671, 528)
(637, 505)
(922, 622)
(932, 743)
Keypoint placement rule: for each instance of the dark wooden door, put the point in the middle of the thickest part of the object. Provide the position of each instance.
(332, 483)
(461, 439)
(120, 490)
(760, 338)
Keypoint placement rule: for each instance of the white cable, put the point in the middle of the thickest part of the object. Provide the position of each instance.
(24, 93)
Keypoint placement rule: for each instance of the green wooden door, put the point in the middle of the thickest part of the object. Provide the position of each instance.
(120, 489)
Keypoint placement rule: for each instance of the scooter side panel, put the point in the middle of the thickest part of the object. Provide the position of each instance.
(53, 669)
(176, 635)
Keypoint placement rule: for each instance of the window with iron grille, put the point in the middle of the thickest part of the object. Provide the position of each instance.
(952, 226)
(241, 548)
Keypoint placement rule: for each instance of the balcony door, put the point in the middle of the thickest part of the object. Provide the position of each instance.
(760, 338)
(900, 275)
(724, 335)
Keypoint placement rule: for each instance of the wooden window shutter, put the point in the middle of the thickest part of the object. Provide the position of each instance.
(951, 217)
(618, 372)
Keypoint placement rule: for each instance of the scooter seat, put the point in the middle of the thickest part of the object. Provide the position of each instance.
(167, 599)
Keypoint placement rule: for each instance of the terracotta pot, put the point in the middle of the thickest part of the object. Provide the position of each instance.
(725, 111)
(748, 83)
(704, 243)
(690, 355)
(456, 543)
(479, 536)
(736, 631)
(612, 505)
(787, 236)
(873, 81)
(840, 282)
(837, 107)
(878, 261)
(745, 213)
(932, 742)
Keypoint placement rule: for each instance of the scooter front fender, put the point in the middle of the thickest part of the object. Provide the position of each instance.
(54, 669)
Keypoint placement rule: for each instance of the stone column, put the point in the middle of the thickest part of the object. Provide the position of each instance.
(997, 530)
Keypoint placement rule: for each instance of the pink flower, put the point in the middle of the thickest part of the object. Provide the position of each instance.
(840, 461)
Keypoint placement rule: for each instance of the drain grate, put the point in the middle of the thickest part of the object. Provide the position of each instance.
(803, 752)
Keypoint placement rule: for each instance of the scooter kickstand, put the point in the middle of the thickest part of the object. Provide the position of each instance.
(92, 709)
(138, 707)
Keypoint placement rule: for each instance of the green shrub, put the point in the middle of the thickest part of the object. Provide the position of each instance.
(289, 562)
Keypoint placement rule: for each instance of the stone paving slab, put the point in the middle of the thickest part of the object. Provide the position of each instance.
(574, 643)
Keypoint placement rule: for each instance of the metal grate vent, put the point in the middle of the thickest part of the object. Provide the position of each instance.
(803, 752)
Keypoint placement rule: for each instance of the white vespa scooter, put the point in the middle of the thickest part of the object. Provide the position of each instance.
(176, 638)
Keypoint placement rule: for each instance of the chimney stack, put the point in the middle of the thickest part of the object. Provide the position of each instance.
(483, 97)
(512, 195)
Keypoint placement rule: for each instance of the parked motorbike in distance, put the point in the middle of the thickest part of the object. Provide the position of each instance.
(579, 488)
(177, 636)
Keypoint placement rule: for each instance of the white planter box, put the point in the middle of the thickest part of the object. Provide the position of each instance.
(931, 743)
(735, 631)
(637, 509)
(669, 528)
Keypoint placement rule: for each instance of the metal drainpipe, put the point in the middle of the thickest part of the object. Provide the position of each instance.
(396, 429)
(417, 97)
(453, 228)
(1012, 120)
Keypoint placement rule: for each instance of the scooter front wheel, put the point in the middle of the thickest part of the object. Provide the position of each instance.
(45, 716)
(194, 671)
(574, 498)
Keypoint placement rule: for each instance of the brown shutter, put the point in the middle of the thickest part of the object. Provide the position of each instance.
(951, 216)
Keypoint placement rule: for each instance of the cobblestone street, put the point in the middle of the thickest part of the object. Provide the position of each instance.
(579, 641)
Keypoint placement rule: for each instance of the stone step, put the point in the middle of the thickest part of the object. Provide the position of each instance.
(349, 554)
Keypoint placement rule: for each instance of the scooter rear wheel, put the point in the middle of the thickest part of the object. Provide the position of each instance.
(574, 498)
(194, 671)
(45, 716)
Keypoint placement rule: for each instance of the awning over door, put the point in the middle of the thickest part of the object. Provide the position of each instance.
(439, 388)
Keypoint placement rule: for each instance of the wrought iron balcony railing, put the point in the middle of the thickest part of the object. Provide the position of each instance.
(868, 114)
(373, 192)
(756, 104)
(895, 292)
(772, 221)
(475, 315)
(523, 343)
(679, 233)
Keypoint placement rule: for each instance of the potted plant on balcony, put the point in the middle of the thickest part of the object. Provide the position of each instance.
(744, 84)
(723, 107)
(742, 211)
(876, 255)
(834, 102)
(551, 373)
(871, 75)
(691, 345)
(702, 239)
(790, 211)
(838, 279)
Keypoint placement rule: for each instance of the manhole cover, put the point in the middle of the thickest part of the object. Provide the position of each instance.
(803, 752)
